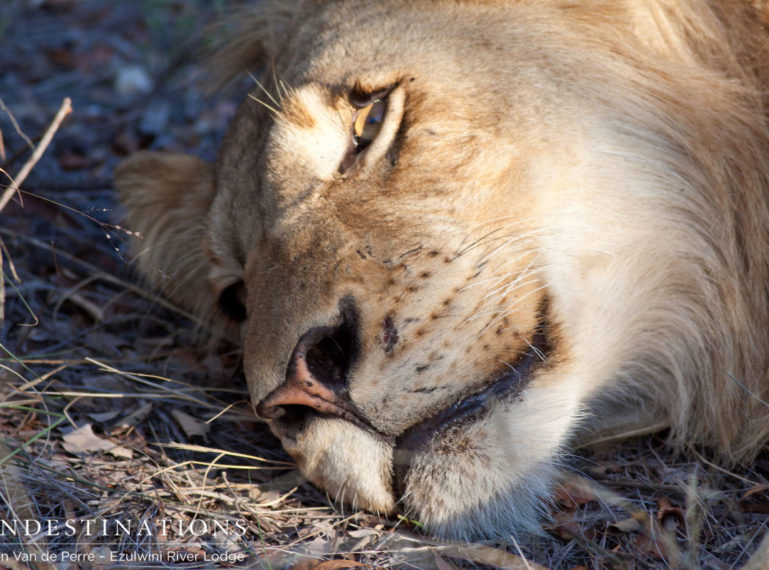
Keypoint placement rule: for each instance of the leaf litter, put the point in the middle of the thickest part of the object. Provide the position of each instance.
(117, 410)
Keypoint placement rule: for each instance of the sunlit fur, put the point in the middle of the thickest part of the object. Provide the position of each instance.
(606, 162)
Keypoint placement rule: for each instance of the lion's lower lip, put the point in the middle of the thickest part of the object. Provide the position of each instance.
(506, 387)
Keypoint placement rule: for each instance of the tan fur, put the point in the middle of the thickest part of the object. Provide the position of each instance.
(606, 162)
(163, 194)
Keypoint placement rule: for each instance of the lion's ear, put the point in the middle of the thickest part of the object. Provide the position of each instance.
(255, 36)
(167, 198)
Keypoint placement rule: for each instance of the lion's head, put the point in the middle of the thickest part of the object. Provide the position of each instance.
(453, 231)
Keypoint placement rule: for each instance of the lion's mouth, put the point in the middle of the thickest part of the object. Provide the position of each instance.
(317, 385)
(505, 388)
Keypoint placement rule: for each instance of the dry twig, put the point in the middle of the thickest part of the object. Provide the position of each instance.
(64, 110)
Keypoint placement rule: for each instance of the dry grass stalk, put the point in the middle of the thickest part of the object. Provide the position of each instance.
(20, 504)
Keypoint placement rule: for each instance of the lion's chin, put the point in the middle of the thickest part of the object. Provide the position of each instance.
(464, 485)
(467, 491)
(352, 465)
(478, 479)
(484, 477)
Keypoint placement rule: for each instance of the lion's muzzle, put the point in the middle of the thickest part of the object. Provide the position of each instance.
(317, 375)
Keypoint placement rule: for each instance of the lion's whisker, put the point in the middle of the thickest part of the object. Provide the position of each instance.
(267, 106)
(264, 89)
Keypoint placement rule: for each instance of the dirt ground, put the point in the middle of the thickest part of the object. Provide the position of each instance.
(126, 437)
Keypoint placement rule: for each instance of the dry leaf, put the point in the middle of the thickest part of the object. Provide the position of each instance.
(565, 525)
(670, 517)
(756, 500)
(574, 493)
(490, 556)
(364, 537)
(308, 563)
(191, 426)
(362, 532)
(337, 565)
(628, 525)
(319, 546)
(135, 417)
(83, 440)
(104, 416)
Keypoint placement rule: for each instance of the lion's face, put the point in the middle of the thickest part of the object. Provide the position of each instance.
(399, 335)
(440, 241)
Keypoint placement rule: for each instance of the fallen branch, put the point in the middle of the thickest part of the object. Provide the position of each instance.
(64, 110)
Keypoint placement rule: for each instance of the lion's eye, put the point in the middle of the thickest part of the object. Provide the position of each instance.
(375, 121)
(367, 123)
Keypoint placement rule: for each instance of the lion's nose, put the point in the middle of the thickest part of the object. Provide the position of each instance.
(316, 376)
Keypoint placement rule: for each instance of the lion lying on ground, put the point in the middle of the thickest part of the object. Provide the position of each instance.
(459, 236)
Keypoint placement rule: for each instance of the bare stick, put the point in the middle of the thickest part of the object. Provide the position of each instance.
(64, 110)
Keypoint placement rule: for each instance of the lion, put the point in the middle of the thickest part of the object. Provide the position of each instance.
(458, 238)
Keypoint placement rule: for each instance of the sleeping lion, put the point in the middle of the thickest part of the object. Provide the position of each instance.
(460, 237)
